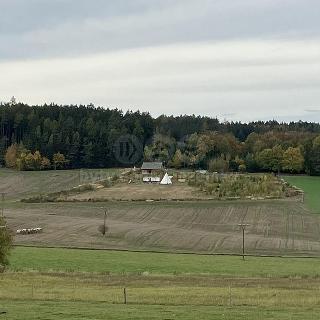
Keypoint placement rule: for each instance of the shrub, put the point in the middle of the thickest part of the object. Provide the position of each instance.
(106, 183)
(103, 229)
(115, 177)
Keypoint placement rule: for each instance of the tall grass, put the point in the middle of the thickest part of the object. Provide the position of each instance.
(240, 186)
(183, 291)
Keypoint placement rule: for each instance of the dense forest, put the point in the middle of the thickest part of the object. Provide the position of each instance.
(53, 136)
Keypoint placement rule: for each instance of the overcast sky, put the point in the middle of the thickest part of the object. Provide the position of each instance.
(232, 59)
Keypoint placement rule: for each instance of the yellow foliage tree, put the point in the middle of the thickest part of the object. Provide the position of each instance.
(293, 160)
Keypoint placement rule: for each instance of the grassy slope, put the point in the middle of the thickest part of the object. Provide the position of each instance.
(311, 187)
(49, 310)
(44, 259)
(229, 290)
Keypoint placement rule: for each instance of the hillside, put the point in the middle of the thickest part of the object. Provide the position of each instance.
(276, 226)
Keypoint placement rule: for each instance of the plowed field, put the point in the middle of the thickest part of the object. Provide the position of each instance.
(277, 227)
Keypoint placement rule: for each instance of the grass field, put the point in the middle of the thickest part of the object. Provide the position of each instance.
(311, 187)
(88, 284)
(117, 262)
(78, 310)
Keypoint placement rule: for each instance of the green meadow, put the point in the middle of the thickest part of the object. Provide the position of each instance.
(311, 187)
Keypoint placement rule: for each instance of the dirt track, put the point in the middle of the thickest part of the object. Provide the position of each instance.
(278, 227)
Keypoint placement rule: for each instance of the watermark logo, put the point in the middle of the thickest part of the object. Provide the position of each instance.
(128, 149)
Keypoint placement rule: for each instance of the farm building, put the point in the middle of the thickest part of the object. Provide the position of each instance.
(152, 171)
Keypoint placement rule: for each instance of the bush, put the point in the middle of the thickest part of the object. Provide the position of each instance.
(115, 177)
(236, 185)
(218, 165)
(106, 183)
(103, 229)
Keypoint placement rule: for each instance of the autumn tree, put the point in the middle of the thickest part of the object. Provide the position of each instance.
(219, 164)
(37, 159)
(177, 160)
(292, 160)
(12, 154)
(271, 159)
(45, 163)
(59, 160)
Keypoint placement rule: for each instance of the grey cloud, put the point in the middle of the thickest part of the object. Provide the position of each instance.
(46, 28)
(312, 110)
(151, 80)
(241, 59)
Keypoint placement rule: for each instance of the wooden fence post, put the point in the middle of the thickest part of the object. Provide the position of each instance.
(125, 295)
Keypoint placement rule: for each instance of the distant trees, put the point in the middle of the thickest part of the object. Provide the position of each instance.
(85, 135)
(56, 137)
(312, 156)
(161, 149)
(277, 159)
(17, 157)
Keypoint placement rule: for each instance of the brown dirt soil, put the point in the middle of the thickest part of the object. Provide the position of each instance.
(143, 192)
(276, 227)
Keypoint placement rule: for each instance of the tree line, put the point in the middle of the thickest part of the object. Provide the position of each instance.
(54, 137)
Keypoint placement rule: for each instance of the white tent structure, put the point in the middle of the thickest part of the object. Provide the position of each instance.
(166, 179)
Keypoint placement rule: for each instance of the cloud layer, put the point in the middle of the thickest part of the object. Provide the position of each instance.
(241, 60)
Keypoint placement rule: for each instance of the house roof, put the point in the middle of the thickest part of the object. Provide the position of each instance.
(152, 166)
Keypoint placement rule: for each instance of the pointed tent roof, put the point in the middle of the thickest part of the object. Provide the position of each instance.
(166, 179)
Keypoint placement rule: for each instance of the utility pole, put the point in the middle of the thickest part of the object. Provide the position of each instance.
(243, 227)
(2, 203)
(104, 221)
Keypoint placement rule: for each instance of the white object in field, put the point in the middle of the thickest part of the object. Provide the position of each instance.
(202, 171)
(166, 179)
(151, 179)
(29, 231)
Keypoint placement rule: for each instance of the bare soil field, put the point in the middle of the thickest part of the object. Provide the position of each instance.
(276, 227)
(21, 184)
(141, 191)
(280, 227)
